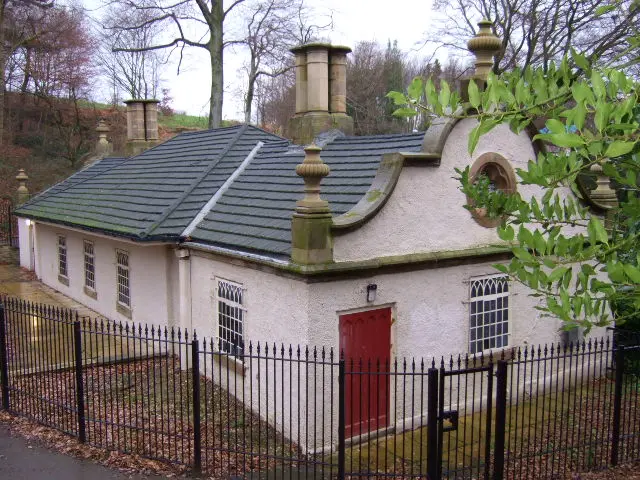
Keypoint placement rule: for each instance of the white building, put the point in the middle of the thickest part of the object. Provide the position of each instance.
(197, 233)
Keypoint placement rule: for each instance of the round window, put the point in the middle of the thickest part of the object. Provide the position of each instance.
(501, 176)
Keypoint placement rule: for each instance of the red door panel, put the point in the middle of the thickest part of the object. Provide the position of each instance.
(365, 340)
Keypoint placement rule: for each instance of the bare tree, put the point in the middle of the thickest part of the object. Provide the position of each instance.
(272, 27)
(178, 19)
(17, 19)
(137, 73)
(537, 32)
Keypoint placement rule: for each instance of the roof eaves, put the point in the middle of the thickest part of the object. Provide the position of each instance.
(97, 172)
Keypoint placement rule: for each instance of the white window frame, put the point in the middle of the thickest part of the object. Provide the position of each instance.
(231, 316)
(89, 253)
(490, 324)
(63, 258)
(123, 271)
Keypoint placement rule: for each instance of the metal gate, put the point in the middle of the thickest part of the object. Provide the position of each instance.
(465, 408)
(8, 224)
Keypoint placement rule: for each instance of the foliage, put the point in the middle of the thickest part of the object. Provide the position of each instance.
(578, 263)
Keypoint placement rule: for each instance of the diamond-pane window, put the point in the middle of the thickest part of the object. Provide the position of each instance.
(231, 313)
(488, 313)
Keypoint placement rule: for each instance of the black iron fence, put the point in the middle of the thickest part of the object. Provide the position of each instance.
(274, 411)
(8, 223)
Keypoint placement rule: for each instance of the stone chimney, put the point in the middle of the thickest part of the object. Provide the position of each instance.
(142, 125)
(321, 92)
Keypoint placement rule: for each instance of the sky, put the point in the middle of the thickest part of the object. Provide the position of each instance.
(354, 20)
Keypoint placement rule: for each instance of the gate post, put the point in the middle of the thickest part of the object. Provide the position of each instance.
(501, 420)
(4, 360)
(617, 405)
(341, 418)
(197, 433)
(433, 458)
(77, 337)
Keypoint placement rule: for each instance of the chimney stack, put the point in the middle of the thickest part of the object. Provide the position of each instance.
(142, 125)
(321, 92)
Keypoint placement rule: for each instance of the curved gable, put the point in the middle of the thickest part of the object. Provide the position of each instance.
(425, 212)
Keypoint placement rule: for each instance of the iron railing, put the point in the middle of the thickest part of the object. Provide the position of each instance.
(278, 411)
(8, 224)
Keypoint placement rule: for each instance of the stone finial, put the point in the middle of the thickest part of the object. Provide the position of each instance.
(484, 46)
(103, 147)
(312, 170)
(23, 192)
(603, 196)
(311, 239)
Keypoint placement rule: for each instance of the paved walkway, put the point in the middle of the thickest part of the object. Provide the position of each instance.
(21, 283)
(20, 459)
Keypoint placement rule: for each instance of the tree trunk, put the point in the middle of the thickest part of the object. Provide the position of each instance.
(216, 57)
(248, 99)
(3, 65)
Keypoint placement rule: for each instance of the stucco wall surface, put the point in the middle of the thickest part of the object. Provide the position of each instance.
(276, 314)
(148, 274)
(430, 310)
(24, 243)
(425, 212)
(276, 307)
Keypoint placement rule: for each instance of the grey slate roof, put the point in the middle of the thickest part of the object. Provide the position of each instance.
(155, 195)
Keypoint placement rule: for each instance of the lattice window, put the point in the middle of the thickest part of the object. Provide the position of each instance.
(124, 286)
(62, 257)
(489, 313)
(231, 314)
(89, 265)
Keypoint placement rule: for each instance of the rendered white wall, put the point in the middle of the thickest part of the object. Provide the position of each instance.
(276, 307)
(276, 312)
(24, 242)
(425, 212)
(148, 274)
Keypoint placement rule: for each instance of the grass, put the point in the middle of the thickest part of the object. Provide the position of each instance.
(567, 431)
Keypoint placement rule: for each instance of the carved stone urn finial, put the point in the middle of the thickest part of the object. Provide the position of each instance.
(23, 192)
(484, 45)
(311, 240)
(312, 170)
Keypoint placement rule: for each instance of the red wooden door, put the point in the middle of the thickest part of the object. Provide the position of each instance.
(365, 340)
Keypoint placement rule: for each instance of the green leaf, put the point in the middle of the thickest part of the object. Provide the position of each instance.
(564, 140)
(632, 272)
(580, 60)
(405, 112)
(598, 85)
(506, 233)
(619, 148)
(522, 254)
(474, 94)
(555, 126)
(597, 232)
(415, 88)
(445, 94)
(604, 9)
(398, 98)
